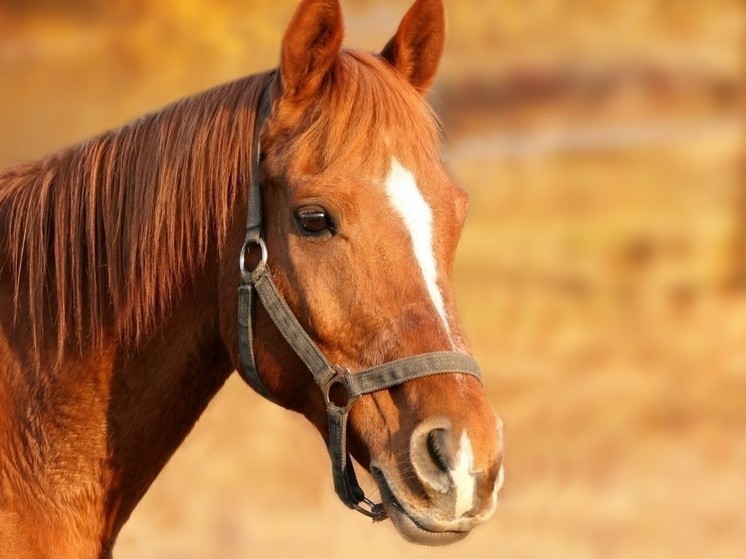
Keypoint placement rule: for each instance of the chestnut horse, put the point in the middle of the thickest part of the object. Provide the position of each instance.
(119, 276)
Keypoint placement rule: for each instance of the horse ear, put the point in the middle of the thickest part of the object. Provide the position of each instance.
(310, 46)
(417, 47)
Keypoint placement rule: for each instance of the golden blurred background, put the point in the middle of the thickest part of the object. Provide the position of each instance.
(601, 277)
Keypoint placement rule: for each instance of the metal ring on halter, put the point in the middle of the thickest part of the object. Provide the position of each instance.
(338, 379)
(242, 257)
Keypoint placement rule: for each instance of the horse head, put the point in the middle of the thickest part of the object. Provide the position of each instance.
(361, 222)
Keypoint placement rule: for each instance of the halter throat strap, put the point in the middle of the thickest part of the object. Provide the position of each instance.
(258, 281)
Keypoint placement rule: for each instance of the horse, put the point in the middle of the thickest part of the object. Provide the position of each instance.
(120, 288)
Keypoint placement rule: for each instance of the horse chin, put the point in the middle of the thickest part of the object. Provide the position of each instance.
(412, 529)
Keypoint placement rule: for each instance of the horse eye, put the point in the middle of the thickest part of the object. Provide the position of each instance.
(313, 220)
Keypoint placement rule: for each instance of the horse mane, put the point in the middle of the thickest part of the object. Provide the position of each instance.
(102, 236)
(114, 226)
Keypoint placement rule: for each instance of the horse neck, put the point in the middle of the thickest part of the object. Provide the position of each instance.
(159, 391)
(89, 436)
(105, 423)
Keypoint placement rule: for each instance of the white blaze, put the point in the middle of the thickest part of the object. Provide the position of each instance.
(463, 477)
(405, 197)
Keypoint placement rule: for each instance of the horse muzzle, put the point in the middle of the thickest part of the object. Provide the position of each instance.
(445, 490)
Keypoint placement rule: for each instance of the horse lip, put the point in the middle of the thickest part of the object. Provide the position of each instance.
(395, 508)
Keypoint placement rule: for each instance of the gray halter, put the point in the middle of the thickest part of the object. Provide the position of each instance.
(324, 373)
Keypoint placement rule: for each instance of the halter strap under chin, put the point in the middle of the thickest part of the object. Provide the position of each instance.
(325, 374)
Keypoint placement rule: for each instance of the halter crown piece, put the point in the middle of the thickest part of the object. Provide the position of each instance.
(325, 374)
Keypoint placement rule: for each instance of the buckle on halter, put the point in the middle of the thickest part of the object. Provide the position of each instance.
(245, 248)
(337, 400)
(372, 510)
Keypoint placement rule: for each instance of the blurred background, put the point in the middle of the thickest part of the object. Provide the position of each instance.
(601, 277)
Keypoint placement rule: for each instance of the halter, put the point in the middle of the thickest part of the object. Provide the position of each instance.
(326, 375)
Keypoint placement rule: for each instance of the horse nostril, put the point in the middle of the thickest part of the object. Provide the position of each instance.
(431, 453)
(436, 446)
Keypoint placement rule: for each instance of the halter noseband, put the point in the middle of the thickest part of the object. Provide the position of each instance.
(324, 373)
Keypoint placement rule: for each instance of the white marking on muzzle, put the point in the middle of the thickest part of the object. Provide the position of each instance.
(462, 473)
(405, 197)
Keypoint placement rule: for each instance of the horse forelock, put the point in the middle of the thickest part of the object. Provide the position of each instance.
(366, 112)
(100, 237)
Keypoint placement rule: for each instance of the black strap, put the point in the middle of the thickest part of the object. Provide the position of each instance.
(289, 326)
(326, 375)
(254, 214)
(253, 238)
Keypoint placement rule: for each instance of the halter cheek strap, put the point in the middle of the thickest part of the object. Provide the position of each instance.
(326, 375)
